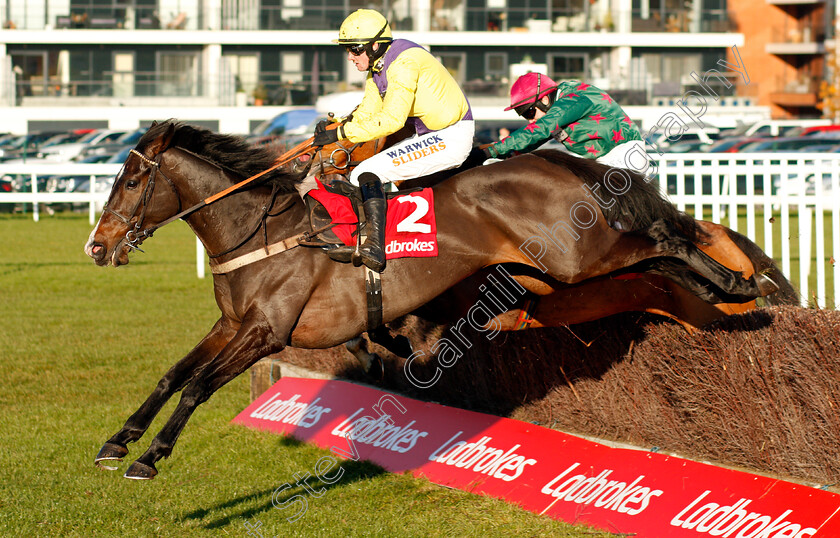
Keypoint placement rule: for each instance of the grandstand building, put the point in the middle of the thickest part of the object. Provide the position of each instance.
(229, 64)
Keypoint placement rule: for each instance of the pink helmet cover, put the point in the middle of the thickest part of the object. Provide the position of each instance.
(530, 88)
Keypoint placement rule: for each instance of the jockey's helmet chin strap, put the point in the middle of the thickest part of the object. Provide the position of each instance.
(538, 102)
(375, 55)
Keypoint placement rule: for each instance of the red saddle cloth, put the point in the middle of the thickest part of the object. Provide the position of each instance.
(410, 230)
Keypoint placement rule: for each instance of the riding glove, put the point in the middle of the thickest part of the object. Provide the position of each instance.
(476, 157)
(326, 137)
(322, 126)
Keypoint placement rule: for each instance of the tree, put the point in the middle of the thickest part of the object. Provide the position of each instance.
(829, 94)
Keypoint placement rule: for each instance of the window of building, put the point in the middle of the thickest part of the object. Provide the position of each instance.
(455, 63)
(567, 66)
(495, 65)
(245, 68)
(30, 70)
(178, 73)
(123, 74)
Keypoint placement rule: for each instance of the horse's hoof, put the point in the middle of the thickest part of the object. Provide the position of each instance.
(376, 369)
(766, 285)
(110, 452)
(141, 471)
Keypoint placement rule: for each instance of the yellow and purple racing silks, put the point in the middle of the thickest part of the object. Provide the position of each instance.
(407, 84)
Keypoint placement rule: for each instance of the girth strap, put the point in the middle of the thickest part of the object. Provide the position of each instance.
(255, 256)
(373, 290)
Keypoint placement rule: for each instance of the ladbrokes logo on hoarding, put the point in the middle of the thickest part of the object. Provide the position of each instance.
(290, 411)
(628, 491)
(726, 520)
(380, 432)
(482, 458)
(601, 492)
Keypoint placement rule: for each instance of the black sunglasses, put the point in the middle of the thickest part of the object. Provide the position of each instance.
(527, 111)
(355, 50)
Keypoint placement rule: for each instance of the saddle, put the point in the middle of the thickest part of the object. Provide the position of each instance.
(322, 224)
(320, 221)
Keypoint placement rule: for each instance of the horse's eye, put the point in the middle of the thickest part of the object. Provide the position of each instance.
(131, 184)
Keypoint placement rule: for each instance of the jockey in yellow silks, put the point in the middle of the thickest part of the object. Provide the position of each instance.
(405, 84)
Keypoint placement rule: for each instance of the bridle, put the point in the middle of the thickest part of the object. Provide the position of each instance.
(136, 235)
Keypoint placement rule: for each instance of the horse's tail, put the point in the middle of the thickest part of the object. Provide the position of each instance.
(640, 206)
(764, 264)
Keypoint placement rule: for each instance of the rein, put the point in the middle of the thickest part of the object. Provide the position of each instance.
(136, 236)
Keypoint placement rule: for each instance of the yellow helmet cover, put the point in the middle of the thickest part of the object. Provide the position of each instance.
(364, 26)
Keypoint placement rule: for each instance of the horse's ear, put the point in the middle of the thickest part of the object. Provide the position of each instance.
(161, 142)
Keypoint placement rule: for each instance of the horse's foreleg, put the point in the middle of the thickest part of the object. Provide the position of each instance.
(253, 340)
(670, 243)
(174, 380)
(371, 362)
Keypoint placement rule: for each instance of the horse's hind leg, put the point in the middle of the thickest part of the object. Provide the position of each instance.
(253, 340)
(174, 380)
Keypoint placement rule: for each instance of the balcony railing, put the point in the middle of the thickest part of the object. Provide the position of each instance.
(272, 89)
(804, 84)
(804, 31)
(681, 21)
(141, 88)
(144, 14)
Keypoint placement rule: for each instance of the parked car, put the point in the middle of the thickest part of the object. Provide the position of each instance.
(66, 152)
(111, 147)
(817, 130)
(290, 122)
(6, 185)
(831, 147)
(782, 144)
(25, 146)
(732, 145)
(796, 185)
(690, 146)
(767, 128)
(693, 134)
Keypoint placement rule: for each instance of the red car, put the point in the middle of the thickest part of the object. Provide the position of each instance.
(809, 131)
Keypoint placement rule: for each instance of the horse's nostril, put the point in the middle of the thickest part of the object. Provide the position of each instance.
(97, 251)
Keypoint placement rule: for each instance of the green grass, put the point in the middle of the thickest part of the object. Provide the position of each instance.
(82, 347)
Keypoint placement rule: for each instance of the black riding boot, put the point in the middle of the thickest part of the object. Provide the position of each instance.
(372, 252)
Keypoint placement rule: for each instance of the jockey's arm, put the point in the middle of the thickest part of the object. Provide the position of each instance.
(533, 135)
(376, 117)
(371, 103)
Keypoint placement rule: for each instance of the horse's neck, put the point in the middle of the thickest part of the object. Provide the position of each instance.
(226, 222)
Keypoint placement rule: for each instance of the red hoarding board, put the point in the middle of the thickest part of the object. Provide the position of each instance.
(543, 470)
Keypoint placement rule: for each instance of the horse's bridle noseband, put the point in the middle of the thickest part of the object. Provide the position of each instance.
(136, 235)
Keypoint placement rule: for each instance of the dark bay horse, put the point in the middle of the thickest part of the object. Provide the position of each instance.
(490, 215)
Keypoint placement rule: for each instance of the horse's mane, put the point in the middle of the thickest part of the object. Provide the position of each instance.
(637, 208)
(231, 152)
